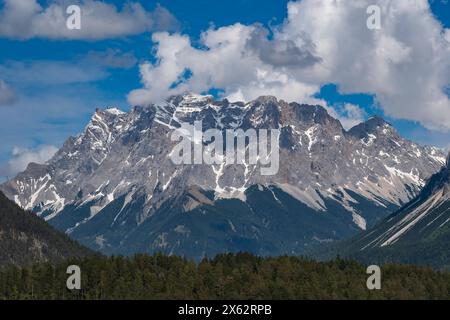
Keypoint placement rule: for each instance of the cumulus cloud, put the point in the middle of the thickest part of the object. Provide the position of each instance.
(21, 157)
(25, 19)
(406, 64)
(282, 52)
(7, 95)
(226, 63)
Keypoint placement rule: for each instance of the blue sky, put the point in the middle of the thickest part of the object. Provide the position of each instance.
(52, 81)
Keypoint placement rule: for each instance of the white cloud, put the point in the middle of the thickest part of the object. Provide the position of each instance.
(25, 19)
(405, 65)
(21, 157)
(7, 95)
(228, 63)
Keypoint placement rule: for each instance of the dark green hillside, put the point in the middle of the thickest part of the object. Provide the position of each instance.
(26, 239)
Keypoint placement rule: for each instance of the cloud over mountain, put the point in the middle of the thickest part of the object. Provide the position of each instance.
(405, 64)
(21, 157)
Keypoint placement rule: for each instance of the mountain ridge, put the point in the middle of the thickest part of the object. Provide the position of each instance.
(418, 233)
(119, 171)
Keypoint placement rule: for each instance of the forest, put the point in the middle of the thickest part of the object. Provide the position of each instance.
(227, 276)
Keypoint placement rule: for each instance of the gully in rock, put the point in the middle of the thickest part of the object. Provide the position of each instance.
(235, 147)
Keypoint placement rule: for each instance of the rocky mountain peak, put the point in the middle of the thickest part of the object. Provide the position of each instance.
(190, 99)
(309, 113)
(377, 121)
(373, 126)
(117, 174)
(114, 111)
(267, 99)
(103, 118)
(438, 181)
(108, 112)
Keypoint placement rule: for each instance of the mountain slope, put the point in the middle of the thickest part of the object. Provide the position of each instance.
(111, 186)
(418, 233)
(27, 239)
(263, 224)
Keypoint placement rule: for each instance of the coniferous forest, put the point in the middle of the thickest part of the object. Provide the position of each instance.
(26, 238)
(230, 276)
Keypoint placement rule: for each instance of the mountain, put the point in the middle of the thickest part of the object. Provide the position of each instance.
(114, 187)
(418, 233)
(26, 239)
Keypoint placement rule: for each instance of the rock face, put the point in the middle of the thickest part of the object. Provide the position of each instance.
(418, 233)
(25, 239)
(115, 188)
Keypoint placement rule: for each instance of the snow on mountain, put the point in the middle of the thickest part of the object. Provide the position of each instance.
(418, 233)
(118, 171)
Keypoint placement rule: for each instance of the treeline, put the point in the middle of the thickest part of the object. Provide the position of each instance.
(230, 276)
